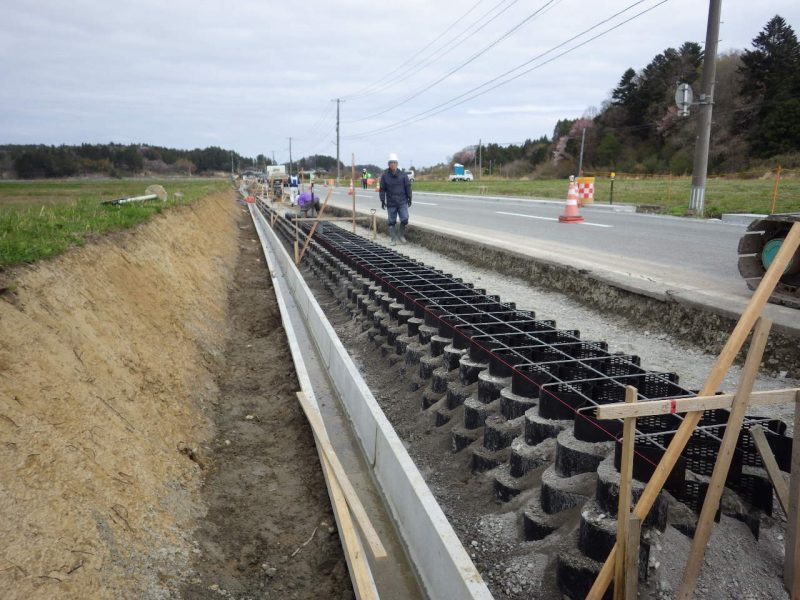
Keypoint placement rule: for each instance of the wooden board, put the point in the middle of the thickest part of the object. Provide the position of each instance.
(771, 466)
(724, 457)
(621, 410)
(370, 535)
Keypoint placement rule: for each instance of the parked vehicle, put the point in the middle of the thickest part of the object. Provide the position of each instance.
(410, 174)
(461, 174)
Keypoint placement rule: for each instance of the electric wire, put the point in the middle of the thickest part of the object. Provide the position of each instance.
(366, 91)
(474, 93)
(480, 23)
(538, 12)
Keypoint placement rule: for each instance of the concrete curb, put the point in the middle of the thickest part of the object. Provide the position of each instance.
(436, 552)
(741, 218)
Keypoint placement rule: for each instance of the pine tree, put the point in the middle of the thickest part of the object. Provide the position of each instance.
(771, 84)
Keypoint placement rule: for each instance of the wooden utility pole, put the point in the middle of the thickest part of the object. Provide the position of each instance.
(353, 184)
(697, 200)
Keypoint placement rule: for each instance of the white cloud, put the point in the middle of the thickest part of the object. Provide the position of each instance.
(249, 75)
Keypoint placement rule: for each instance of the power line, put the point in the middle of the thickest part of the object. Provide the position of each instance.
(365, 91)
(397, 77)
(474, 93)
(538, 12)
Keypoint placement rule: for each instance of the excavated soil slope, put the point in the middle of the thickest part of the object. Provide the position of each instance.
(111, 362)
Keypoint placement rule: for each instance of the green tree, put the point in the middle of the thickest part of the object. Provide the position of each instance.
(771, 85)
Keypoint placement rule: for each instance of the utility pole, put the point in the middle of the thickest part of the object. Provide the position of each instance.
(231, 164)
(580, 160)
(273, 157)
(338, 102)
(291, 164)
(480, 158)
(706, 102)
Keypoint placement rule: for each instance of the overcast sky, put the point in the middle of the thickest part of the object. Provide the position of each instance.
(248, 75)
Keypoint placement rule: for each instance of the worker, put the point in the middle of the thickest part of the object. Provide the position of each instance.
(364, 177)
(395, 193)
(307, 202)
(294, 185)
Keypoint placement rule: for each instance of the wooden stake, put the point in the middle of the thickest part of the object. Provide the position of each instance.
(296, 244)
(353, 180)
(374, 225)
(791, 574)
(715, 377)
(775, 190)
(371, 536)
(314, 226)
(624, 507)
(771, 466)
(724, 457)
(634, 530)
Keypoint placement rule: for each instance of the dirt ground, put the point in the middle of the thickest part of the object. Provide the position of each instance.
(123, 376)
(265, 492)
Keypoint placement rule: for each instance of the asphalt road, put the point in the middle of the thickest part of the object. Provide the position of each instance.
(690, 252)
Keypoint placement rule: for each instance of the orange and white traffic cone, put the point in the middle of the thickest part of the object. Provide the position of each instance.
(571, 213)
(350, 192)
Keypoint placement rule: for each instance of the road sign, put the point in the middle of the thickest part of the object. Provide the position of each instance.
(683, 98)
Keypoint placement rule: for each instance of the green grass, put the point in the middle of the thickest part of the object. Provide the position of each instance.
(40, 219)
(723, 195)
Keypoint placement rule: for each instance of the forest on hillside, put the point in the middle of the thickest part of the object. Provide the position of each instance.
(756, 117)
(40, 161)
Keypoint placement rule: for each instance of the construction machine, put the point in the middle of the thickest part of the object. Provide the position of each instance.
(757, 249)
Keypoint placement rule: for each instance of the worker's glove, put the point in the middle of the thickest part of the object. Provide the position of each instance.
(409, 201)
(383, 205)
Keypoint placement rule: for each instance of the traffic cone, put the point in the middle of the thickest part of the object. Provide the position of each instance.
(350, 192)
(571, 214)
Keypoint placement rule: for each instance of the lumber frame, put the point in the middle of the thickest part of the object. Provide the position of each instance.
(771, 466)
(624, 506)
(622, 410)
(632, 541)
(715, 377)
(791, 571)
(724, 457)
(318, 427)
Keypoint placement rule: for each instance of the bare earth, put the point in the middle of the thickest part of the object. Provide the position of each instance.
(123, 370)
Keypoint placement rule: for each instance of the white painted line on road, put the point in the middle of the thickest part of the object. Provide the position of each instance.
(425, 203)
(499, 212)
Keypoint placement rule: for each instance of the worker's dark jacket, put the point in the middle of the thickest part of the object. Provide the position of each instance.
(395, 188)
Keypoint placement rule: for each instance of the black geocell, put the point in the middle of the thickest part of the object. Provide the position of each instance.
(566, 376)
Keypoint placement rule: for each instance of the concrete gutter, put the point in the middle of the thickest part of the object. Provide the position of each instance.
(702, 317)
(437, 554)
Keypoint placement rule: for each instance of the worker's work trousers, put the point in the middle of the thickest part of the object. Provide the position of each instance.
(398, 211)
(293, 194)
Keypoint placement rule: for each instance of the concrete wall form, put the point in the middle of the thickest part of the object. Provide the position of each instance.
(440, 559)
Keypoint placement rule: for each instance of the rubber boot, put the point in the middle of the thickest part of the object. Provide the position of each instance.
(392, 235)
(402, 233)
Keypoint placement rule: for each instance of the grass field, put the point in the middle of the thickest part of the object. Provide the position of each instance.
(722, 195)
(39, 219)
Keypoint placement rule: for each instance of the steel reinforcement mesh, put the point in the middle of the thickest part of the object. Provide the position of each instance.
(569, 376)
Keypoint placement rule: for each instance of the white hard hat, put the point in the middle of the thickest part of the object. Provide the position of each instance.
(393, 157)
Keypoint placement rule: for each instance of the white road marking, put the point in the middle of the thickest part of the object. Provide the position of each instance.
(510, 214)
(499, 212)
(425, 203)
